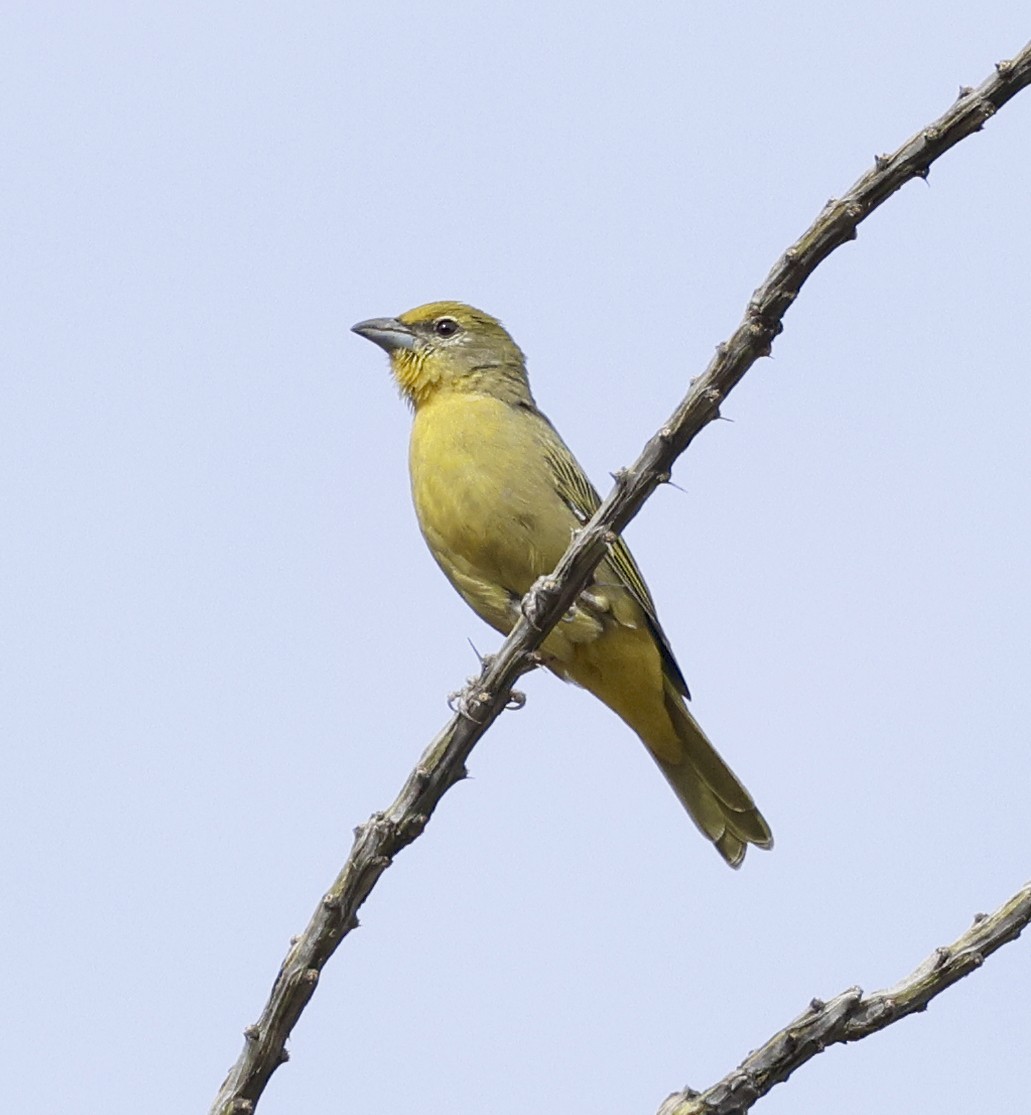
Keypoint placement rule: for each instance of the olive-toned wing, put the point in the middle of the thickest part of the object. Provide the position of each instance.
(582, 498)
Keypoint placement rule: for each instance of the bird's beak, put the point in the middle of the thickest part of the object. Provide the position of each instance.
(387, 332)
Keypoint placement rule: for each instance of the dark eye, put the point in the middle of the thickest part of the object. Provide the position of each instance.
(445, 327)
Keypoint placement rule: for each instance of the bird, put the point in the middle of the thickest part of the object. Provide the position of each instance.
(498, 496)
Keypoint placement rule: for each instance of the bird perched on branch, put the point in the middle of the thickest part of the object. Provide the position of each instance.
(498, 495)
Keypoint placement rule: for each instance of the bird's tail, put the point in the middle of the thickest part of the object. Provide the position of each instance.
(709, 790)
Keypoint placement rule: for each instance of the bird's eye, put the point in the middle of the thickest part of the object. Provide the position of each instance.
(445, 327)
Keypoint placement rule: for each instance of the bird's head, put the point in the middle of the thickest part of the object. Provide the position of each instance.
(448, 346)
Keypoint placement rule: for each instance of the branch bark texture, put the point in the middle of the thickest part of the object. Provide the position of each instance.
(379, 839)
(853, 1015)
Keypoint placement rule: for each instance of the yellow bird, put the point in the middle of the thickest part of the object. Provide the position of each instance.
(499, 495)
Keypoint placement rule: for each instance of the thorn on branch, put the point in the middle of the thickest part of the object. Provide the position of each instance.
(882, 162)
(964, 91)
(284, 1055)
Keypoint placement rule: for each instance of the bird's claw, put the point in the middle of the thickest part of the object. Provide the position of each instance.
(533, 602)
(466, 701)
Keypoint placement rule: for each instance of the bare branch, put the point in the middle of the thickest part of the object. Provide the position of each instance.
(484, 698)
(853, 1015)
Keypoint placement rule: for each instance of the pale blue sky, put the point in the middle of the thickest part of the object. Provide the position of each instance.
(224, 644)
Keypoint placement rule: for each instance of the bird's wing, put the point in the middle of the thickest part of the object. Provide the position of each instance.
(581, 497)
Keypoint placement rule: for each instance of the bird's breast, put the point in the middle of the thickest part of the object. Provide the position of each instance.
(482, 491)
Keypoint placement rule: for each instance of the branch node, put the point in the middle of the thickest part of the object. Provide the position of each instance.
(330, 901)
(241, 1106)
(252, 1033)
(931, 134)
(882, 162)
(1003, 68)
(362, 830)
(284, 1055)
(414, 825)
(964, 91)
(311, 976)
